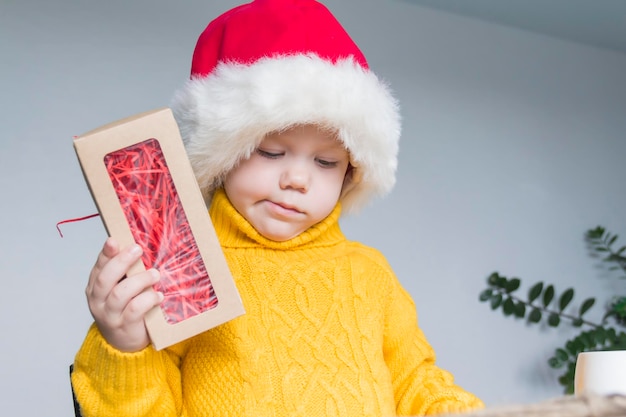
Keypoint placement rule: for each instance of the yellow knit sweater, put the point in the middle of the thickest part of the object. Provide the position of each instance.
(328, 331)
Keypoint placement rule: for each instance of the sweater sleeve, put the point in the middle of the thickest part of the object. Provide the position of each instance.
(420, 386)
(108, 382)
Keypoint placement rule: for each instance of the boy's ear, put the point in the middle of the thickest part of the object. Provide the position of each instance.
(350, 180)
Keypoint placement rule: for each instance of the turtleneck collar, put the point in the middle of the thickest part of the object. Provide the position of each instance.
(233, 230)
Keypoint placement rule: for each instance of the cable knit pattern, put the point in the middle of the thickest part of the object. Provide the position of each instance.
(328, 331)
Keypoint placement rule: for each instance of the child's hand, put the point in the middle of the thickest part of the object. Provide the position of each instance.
(119, 305)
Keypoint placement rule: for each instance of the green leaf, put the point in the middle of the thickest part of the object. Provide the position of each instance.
(554, 320)
(587, 304)
(496, 300)
(613, 239)
(548, 295)
(520, 310)
(621, 344)
(566, 298)
(568, 383)
(501, 282)
(587, 340)
(534, 316)
(601, 249)
(493, 278)
(508, 307)
(578, 344)
(611, 334)
(555, 363)
(562, 355)
(595, 233)
(535, 291)
(486, 294)
(567, 380)
(577, 322)
(599, 335)
(512, 285)
(620, 250)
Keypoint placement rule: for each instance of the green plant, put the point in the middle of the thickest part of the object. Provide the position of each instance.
(544, 304)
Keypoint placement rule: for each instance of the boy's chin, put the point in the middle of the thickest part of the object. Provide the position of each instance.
(279, 233)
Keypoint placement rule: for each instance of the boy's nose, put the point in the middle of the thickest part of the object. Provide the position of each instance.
(295, 177)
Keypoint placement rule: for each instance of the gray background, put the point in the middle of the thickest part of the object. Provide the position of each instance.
(513, 146)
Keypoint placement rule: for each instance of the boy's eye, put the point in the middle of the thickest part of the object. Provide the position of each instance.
(326, 164)
(267, 154)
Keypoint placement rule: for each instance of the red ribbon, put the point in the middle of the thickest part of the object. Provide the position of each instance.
(77, 219)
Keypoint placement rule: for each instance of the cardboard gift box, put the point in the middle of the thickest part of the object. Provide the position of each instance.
(144, 187)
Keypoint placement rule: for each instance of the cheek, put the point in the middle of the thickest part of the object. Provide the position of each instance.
(246, 178)
(340, 178)
(332, 186)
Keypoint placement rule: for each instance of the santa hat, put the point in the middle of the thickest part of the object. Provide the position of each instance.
(271, 64)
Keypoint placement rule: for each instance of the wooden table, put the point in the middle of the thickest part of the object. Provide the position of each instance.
(567, 406)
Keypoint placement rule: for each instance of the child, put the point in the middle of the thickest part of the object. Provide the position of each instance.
(285, 127)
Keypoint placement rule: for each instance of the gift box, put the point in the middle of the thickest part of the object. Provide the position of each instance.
(141, 180)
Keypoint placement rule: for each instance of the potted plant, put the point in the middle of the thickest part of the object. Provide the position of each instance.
(543, 303)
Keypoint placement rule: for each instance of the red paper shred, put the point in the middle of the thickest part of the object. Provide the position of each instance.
(159, 225)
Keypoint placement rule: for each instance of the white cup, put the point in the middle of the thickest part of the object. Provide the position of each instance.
(600, 373)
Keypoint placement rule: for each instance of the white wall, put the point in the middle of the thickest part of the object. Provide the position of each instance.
(513, 146)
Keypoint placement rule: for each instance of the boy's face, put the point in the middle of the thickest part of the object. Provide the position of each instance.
(291, 182)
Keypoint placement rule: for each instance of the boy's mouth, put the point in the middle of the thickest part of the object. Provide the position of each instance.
(284, 207)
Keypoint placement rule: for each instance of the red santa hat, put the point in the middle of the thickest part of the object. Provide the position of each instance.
(271, 64)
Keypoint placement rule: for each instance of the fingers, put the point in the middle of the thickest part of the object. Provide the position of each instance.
(119, 305)
(110, 248)
(110, 268)
(137, 308)
(121, 320)
(134, 296)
